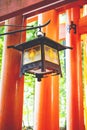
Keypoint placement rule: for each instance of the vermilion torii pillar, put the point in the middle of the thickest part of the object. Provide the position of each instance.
(47, 91)
(11, 98)
(75, 119)
(85, 79)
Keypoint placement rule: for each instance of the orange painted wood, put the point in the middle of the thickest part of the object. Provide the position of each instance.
(29, 20)
(76, 3)
(49, 5)
(47, 91)
(11, 98)
(75, 119)
(43, 105)
(83, 25)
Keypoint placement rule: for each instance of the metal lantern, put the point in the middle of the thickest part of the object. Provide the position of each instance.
(40, 56)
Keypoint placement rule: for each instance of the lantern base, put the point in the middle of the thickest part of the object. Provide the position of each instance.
(44, 74)
(41, 70)
(40, 76)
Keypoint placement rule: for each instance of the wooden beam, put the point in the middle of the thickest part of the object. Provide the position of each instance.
(79, 3)
(11, 8)
(48, 6)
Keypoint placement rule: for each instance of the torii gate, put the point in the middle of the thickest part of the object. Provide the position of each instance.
(47, 107)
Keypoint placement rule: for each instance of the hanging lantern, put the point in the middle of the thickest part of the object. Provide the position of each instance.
(40, 56)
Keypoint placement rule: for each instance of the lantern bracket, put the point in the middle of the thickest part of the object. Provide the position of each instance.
(72, 26)
(30, 28)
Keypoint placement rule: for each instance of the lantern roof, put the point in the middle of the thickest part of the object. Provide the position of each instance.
(38, 41)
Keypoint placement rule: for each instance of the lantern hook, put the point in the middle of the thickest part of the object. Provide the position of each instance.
(30, 28)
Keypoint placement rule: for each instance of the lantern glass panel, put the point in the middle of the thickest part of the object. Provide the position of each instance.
(32, 54)
(51, 54)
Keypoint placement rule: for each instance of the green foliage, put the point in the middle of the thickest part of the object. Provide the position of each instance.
(31, 33)
(1, 50)
(62, 89)
(29, 84)
(28, 100)
(2, 31)
(1, 46)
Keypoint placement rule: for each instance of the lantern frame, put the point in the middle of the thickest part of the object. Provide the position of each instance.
(46, 67)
